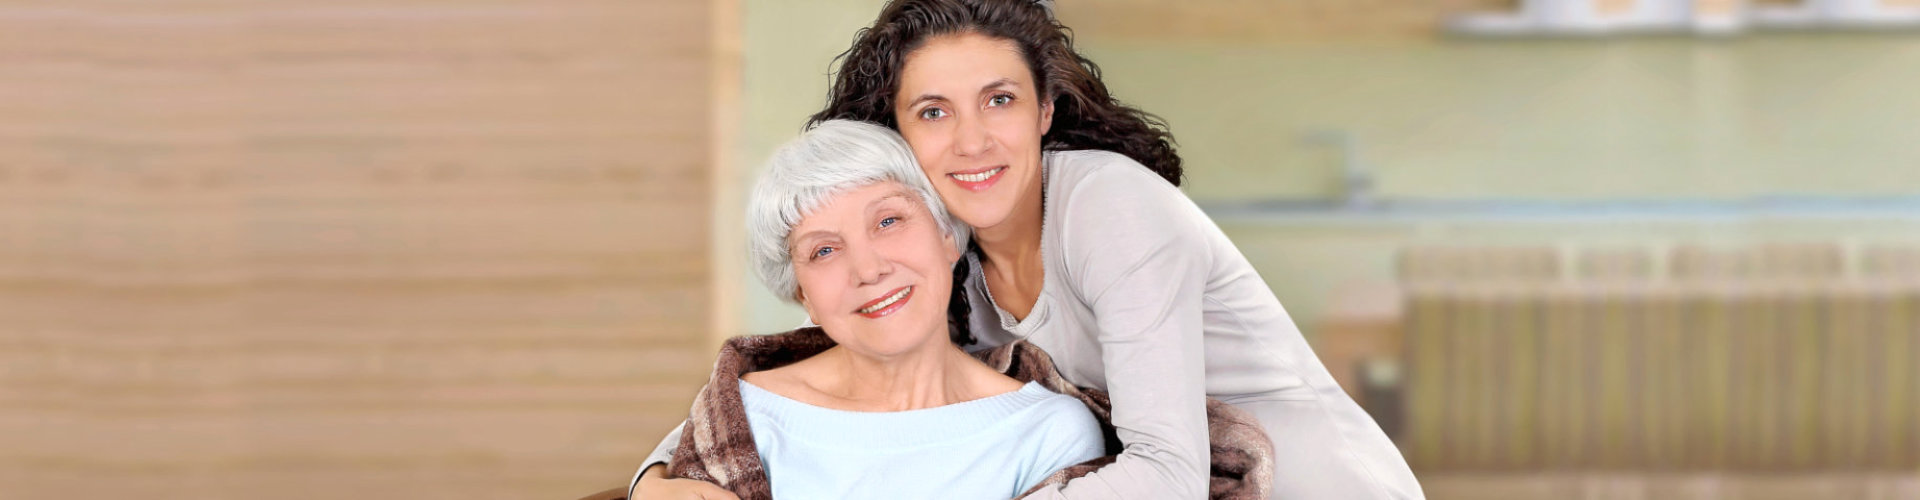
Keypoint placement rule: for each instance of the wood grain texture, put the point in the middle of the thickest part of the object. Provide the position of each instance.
(397, 249)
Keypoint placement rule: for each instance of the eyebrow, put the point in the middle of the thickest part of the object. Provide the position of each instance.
(797, 240)
(902, 194)
(897, 193)
(1003, 82)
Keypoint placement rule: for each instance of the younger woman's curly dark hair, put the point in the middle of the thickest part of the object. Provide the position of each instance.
(1085, 114)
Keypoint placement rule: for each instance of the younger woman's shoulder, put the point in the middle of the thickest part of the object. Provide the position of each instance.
(1098, 163)
(1106, 174)
(1092, 156)
(1114, 213)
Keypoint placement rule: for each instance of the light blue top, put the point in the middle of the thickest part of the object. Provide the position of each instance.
(989, 448)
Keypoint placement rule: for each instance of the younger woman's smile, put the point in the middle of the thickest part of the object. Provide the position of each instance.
(979, 179)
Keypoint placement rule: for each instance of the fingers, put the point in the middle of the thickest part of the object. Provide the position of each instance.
(711, 492)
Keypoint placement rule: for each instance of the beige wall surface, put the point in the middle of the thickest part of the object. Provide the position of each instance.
(398, 249)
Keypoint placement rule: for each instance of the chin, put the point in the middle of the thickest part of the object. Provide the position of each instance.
(983, 218)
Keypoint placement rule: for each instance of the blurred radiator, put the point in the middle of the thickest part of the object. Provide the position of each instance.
(1803, 371)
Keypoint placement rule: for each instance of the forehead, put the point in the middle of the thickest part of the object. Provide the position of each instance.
(963, 60)
(853, 203)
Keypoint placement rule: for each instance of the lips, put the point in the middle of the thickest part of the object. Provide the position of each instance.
(887, 304)
(978, 180)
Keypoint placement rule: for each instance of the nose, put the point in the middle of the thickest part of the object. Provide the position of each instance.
(970, 136)
(869, 265)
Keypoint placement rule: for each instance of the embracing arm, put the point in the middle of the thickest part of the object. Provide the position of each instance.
(652, 483)
(662, 454)
(1143, 272)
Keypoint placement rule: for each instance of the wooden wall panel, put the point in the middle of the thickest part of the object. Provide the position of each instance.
(397, 249)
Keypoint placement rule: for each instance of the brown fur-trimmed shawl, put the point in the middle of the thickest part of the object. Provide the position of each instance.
(717, 446)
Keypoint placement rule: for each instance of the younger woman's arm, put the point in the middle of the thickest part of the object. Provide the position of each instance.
(1141, 262)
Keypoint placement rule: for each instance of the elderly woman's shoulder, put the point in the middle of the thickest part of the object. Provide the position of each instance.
(1063, 409)
(788, 382)
(1066, 404)
(1068, 423)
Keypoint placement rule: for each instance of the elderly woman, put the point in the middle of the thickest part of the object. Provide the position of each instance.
(881, 401)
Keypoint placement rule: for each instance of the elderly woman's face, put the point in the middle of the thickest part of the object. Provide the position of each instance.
(875, 270)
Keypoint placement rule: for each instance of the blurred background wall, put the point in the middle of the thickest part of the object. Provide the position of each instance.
(396, 249)
(486, 248)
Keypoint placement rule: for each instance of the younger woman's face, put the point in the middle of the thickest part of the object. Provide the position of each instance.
(973, 115)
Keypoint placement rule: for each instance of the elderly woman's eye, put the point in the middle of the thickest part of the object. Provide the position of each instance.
(932, 113)
(822, 252)
(888, 221)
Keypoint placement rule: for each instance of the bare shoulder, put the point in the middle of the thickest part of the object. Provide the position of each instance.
(990, 381)
(1002, 384)
(780, 380)
(792, 382)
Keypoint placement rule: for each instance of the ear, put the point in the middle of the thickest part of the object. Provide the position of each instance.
(1046, 117)
(801, 297)
(951, 253)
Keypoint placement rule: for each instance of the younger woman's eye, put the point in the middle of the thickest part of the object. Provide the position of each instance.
(932, 113)
(1000, 100)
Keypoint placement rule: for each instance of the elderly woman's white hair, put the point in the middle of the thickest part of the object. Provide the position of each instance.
(804, 174)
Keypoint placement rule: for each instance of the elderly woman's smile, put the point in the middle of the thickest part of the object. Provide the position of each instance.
(888, 304)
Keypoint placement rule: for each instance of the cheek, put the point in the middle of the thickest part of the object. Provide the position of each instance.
(927, 140)
(813, 290)
(929, 163)
(936, 254)
(925, 151)
(1022, 131)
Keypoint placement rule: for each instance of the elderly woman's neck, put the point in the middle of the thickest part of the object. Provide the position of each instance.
(936, 377)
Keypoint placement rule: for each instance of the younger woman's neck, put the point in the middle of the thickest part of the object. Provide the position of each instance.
(1015, 242)
(1010, 243)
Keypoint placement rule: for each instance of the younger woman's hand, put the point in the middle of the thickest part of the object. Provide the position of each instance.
(654, 485)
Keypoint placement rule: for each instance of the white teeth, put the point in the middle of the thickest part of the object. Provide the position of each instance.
(979, 176)
(890, 300)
